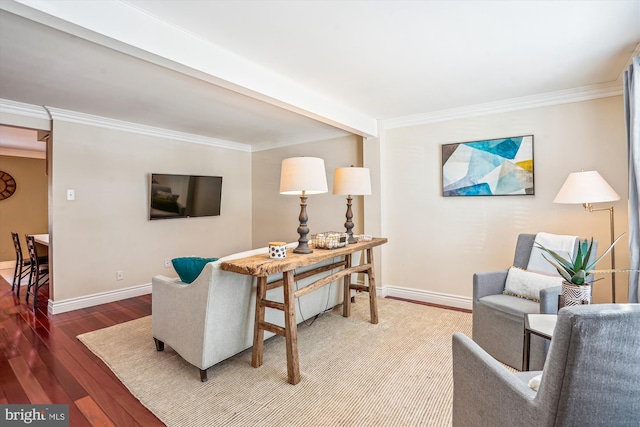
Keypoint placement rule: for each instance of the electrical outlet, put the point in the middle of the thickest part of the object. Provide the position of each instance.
(167, 262)
(119, 275)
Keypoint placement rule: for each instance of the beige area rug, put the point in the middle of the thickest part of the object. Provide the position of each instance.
(395, 373)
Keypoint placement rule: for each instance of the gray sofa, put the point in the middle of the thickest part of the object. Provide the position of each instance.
(591, 376)
(498, 319)
(212, 318)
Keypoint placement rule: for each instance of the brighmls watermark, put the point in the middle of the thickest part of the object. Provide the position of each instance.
(35, 415)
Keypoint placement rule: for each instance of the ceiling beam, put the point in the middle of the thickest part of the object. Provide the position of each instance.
(122, 27)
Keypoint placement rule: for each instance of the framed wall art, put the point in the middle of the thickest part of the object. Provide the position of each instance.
(492, 167)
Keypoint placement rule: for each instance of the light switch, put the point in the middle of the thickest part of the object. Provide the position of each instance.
(71, 194)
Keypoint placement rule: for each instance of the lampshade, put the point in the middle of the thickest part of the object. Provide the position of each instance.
(299, 174)
(585, 187)
(354, 181)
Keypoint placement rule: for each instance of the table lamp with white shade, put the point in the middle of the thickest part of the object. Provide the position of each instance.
(353, 181)
(302, 176)
(587, 187)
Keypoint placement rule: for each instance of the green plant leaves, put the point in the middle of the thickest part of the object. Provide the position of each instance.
(576, 271)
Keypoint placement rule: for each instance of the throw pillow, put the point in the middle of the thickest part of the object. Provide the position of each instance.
(189, 268)
(534, 382)
(527, 284)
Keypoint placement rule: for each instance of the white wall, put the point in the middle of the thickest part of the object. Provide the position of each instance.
(107, 228)
(436, 243)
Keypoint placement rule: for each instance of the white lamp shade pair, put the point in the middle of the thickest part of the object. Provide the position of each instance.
(585, 187)
(307, 174)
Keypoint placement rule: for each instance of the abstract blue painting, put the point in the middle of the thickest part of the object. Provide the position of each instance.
(492, 167)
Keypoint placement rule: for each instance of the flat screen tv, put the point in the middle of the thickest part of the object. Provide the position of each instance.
(184, 196)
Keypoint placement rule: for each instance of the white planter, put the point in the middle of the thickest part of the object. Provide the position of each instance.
(576, 295)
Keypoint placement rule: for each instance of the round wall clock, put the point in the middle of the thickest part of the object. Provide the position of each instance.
(7, 185)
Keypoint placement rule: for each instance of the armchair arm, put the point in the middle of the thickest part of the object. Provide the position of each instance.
(549, 300)
(485, 393)
(488, 283)
(179, 314)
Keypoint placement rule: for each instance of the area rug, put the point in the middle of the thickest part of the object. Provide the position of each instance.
(395, 373)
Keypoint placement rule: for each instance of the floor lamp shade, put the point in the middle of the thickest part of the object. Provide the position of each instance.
(585, 187)
(589, 187)
(302, 176)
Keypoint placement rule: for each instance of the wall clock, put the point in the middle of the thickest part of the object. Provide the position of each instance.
(7, 185)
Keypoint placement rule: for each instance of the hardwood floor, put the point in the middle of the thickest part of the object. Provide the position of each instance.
(41, 361)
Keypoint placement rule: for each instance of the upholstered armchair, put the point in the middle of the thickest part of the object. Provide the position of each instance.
(498, 319)
(591, 376)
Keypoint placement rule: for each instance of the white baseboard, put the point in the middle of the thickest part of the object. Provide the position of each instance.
(427, 296)
(57, 307)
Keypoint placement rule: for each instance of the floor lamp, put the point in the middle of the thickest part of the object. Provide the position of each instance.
(587, 187)
(351, 182)
(302, 176)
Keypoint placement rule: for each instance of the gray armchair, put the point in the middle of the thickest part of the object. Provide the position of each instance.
(498, 320)
(591, 376)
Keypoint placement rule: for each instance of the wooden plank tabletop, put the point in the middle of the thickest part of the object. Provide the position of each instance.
(261, 265)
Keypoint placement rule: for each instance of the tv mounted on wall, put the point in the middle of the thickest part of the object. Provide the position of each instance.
(184, 196)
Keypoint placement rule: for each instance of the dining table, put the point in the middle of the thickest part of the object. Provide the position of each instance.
(43, 239)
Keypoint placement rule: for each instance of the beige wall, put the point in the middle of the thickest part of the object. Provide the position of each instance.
(26, 210)
(275, 216)
(106, 228)
(436, 244)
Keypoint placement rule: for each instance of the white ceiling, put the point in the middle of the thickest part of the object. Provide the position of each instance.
(280, 72)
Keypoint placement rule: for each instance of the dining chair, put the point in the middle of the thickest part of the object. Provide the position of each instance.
(23, 266)
(39, 273)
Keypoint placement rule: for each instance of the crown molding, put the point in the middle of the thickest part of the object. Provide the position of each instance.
(22, 109)
(8, 106)
(583, 93)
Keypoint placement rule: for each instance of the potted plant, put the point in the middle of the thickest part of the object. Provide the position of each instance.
(576, 288)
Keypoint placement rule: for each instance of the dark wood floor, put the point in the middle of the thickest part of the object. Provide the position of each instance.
(42, 361)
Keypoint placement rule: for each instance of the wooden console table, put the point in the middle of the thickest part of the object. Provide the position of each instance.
(261, 266)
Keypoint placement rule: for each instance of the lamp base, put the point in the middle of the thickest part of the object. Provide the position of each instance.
(302, 249)
(348, 225)
(303, 230)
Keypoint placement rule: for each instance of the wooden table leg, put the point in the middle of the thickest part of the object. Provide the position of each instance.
(258, 331)
(346, 304)
(373, 302)
(291, 329)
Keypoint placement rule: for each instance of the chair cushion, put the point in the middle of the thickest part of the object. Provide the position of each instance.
(189, 268)
(528, 284)
(510, 305)
(534, 382)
